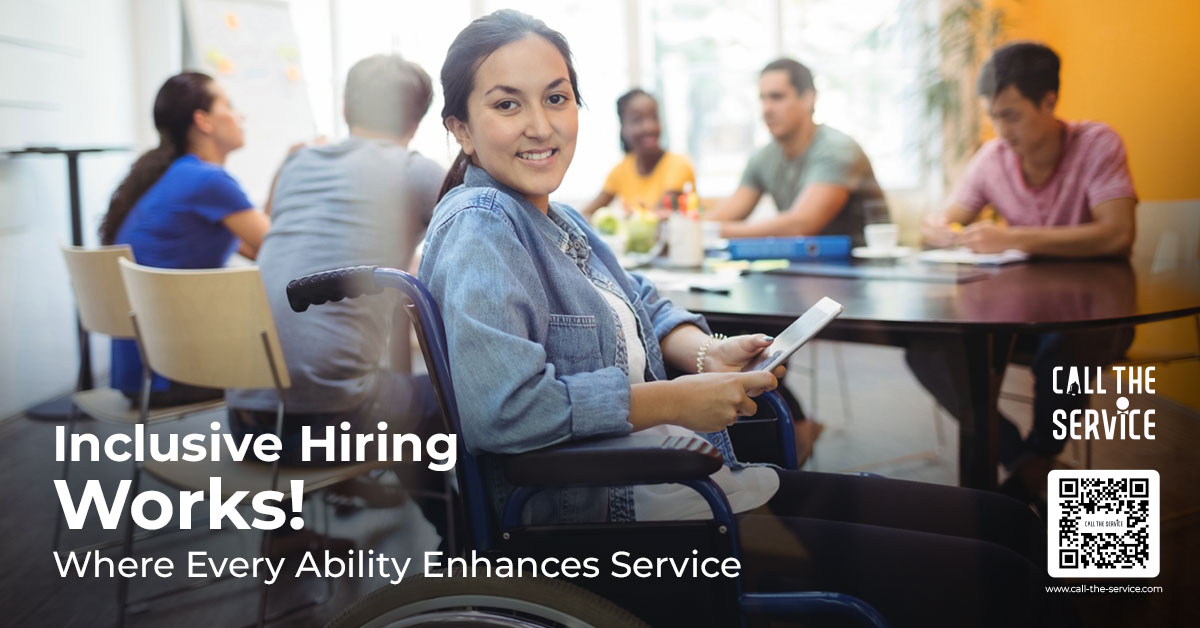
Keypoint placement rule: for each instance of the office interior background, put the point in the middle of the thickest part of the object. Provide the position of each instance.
(84, 73)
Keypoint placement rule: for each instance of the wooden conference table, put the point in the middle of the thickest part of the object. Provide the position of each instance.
(987, 311)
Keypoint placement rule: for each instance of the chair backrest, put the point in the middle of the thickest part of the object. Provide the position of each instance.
(99, 290)
(206, 327)
(1168, 232)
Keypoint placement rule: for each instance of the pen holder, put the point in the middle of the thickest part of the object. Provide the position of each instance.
(685, 242)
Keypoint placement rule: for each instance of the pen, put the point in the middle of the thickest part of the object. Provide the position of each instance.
(708, 290)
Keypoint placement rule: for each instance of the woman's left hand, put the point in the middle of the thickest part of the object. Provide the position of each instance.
(733, 354)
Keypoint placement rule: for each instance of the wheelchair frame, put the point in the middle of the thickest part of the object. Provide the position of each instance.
(595, 462)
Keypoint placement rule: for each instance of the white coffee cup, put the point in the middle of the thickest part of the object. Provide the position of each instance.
(685, 244)
(882, 236)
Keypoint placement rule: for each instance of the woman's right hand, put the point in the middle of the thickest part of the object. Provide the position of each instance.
(710, 402)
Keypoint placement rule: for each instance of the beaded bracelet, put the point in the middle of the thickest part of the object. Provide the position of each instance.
(703, 351)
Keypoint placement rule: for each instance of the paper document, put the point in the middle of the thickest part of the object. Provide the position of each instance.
(682, 281)
(967, 256)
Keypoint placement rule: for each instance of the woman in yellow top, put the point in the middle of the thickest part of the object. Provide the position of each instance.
(647, 172)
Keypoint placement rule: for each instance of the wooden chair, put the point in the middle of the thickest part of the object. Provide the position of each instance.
(214, 328)
(104, 309)
(1169, 235)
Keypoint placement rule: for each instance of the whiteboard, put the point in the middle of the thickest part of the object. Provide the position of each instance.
(250, 47)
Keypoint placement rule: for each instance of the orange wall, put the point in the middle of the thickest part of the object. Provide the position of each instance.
(1135, 66)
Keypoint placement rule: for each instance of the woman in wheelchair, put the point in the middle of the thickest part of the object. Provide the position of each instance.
(551, 341)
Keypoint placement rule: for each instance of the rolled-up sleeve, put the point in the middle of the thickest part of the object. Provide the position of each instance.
(496, 315)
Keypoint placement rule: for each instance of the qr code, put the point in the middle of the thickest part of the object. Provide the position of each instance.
(1103, 524)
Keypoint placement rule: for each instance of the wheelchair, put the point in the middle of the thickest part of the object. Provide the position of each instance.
(603, 600)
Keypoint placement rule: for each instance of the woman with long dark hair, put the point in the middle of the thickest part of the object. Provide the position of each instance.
(552, 341)
(179, 208)
(648, 171)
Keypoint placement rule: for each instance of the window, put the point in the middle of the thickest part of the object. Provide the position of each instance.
(865, 58)
(598, 34)
(336, 35)
(706, 57)
(700, 58)
(866, 63)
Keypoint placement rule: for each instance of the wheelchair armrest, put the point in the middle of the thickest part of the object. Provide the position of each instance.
(767, 439)
(785, 428)
(633, 459)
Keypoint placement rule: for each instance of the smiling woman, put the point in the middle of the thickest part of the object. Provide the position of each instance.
(521, 126)
(550, 340)
(526, 109)
(648, 171)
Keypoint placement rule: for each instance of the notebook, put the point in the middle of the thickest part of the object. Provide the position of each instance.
(967, 256)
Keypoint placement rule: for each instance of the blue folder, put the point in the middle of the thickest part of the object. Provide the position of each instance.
(797, 248)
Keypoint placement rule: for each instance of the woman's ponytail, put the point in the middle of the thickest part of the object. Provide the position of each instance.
(147, 170)
(174, 107)
(456, 173)
(478, 40)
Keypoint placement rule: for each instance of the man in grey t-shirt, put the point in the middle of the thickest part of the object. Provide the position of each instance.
(363, 201)
(820, 179)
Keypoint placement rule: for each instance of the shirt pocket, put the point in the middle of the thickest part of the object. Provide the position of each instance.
(573, 344)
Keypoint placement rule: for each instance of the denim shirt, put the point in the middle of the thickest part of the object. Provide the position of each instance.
(536, 353)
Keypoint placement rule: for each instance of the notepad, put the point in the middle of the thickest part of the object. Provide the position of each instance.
(967, 256)
(676, 281)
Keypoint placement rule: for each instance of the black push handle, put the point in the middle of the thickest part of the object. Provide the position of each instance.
(331, 285)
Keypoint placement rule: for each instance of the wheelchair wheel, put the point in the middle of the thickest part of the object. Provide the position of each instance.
(499, 602)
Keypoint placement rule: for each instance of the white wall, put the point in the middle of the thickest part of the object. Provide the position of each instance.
(71, 74)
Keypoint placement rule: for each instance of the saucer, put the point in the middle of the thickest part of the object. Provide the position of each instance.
(863, 252)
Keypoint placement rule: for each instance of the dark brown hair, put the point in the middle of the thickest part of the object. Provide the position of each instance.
(473, 45)
(1031, 67)
(174, 107)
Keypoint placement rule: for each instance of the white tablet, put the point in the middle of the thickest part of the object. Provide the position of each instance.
(798, 333)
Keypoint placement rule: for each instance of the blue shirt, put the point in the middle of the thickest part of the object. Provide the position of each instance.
(536, 354)
(177, 224)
